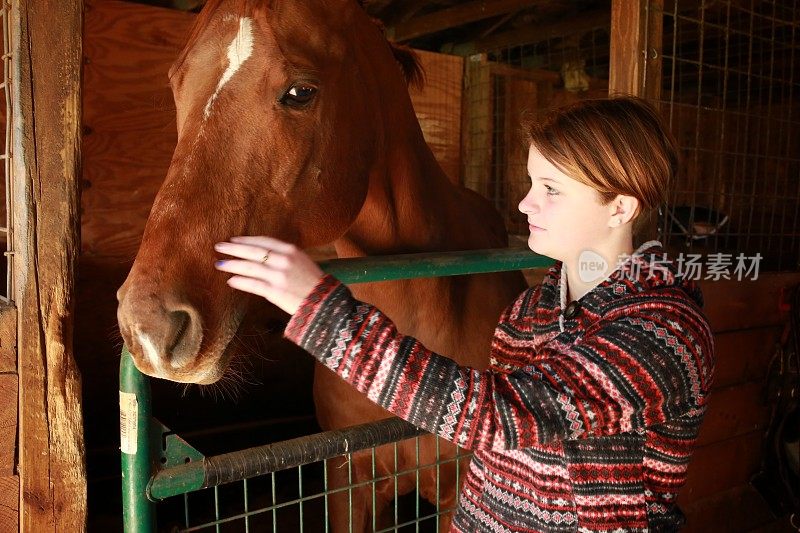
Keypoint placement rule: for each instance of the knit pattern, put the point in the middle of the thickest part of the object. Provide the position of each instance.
(582, 424)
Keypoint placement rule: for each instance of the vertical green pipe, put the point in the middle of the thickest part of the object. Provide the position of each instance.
(138, 512)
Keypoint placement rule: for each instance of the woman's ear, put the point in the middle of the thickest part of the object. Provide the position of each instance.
(623, 210)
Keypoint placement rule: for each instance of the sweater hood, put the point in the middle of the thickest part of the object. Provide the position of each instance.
(646, 271)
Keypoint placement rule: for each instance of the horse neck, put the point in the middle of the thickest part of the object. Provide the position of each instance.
(408, 198)
(412, 206)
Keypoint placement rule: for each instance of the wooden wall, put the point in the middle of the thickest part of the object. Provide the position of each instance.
(747, 325)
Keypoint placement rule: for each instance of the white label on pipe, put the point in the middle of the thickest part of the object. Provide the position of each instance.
(128, 417)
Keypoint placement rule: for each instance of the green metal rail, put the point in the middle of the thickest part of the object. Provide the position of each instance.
(151, 473)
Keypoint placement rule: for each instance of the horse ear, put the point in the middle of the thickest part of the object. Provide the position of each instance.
(409, 62)
(408, 58)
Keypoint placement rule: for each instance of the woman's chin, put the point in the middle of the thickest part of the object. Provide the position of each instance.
(537, 247)
(535, 244)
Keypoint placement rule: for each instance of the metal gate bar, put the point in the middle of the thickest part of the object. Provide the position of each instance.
(260, 460)
(181, 469)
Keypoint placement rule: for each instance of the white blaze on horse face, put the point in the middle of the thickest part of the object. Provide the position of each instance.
(240, 49)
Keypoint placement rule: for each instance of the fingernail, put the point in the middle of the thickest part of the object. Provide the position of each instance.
(219, 263)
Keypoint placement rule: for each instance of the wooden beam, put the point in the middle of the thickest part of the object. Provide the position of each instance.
(476, 125)
(493, 27)
(636, 31)
(46, 103)
(536, 33)
(635, 64)
(504, 69)
(402, 11)
(454, 16)
(379, 8)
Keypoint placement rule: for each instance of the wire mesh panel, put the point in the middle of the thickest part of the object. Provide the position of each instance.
(729, 86)
(6, 230)
(728, 90)
(556, 65)
(437, 105)
(300, 499)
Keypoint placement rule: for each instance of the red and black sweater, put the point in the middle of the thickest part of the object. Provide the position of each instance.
(579, 424)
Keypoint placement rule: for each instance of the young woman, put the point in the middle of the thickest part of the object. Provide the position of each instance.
(599, 377)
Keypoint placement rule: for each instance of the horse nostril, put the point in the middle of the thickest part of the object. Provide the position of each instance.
(181, 318)
(187, 337)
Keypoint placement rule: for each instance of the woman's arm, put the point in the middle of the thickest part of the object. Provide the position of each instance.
(634, 372)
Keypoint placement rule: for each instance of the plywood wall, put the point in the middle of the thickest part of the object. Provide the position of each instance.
(128, 120)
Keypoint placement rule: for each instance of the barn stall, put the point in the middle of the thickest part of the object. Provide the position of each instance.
(721, 72)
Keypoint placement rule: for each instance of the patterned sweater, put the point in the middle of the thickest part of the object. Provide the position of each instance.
(584, 422)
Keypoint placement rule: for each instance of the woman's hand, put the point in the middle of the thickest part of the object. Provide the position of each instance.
(276, 270)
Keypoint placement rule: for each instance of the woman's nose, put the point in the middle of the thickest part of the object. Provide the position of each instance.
(528, 204)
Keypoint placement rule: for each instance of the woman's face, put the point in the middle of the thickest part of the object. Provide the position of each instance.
(565, 217)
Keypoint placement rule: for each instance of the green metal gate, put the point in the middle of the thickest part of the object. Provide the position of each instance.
(157, 464)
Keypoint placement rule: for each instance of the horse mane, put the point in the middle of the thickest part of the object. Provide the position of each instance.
(404, 55)
(407, 59)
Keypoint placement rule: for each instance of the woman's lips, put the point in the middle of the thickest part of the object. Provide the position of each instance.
(534, 228)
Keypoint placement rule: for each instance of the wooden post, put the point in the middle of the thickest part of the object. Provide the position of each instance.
(521, 96)
(635, 62)
(46, 99)
(477, 126)
(636, 35)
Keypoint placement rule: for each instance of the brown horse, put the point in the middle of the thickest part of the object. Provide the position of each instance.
(294, 121)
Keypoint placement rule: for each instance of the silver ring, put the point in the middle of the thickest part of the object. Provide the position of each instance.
(266, 257)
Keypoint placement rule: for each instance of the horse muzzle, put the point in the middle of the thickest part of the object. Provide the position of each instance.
(164, 334)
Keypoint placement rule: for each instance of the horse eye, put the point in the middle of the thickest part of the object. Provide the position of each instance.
(298, 95)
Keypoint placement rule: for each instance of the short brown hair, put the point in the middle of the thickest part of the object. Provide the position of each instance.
(616, 145)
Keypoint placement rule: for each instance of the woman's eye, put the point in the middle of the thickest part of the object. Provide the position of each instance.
(299, 95)
(551, 191)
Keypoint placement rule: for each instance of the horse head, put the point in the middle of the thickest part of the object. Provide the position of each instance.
(282, 107)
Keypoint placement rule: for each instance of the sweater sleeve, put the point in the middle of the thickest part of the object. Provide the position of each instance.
(629, 374)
